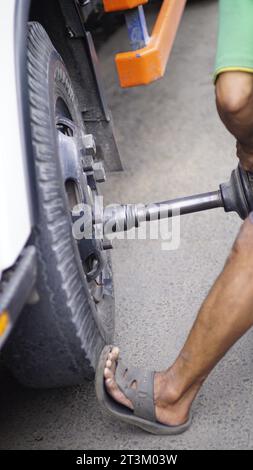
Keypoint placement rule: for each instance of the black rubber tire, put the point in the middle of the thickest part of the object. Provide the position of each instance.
(57, 341)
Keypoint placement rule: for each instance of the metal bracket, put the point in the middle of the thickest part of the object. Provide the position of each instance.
(137, 28)
(82, 63)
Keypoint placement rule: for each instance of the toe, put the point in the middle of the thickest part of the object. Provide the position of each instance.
(108, 364)
(112, 359)
(110, 356)
(108, 374)
(111, 363)
(115, 352)
(110, 382)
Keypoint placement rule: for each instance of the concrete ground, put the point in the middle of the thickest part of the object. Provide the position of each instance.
(172, 144)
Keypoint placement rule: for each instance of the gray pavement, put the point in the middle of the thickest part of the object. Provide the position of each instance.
(172, 143)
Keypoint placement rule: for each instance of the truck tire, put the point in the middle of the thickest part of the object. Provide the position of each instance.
(57, 340)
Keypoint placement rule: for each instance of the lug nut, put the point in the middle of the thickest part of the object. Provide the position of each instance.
(107, 245)
(90, 145)
(99, 172)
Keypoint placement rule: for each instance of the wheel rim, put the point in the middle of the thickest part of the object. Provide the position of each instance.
(70, 139)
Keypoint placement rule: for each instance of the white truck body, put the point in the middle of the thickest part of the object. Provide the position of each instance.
(15, 215)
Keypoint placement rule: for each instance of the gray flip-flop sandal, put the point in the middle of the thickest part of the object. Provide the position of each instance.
(141, 396)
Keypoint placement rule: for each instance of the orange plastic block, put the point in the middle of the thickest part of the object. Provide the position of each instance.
(145, 65)
(116, 5)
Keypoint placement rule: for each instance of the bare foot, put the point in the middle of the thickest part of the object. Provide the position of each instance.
(169, 409)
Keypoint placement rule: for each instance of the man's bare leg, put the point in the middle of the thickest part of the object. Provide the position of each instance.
(234, 99)
(226, 314)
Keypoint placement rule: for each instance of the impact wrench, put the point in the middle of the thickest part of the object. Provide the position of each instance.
(234, 196)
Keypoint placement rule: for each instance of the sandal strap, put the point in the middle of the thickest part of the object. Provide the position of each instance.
(142, 393)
